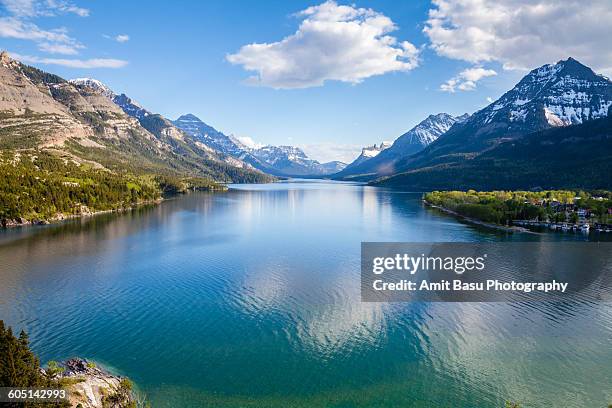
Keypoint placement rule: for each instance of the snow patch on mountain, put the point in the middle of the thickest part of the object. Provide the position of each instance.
(372, 151)
(552, 118)
(94, 84)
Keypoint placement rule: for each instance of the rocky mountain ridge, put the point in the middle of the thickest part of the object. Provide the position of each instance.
(80, 121)
(554, 95)
(545, 120)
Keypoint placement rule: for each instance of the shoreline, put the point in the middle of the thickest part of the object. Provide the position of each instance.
(513, 229)
(59, 218)
(6, 224)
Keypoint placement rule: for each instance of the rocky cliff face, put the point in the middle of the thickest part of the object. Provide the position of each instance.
(43, 110)
(30, 114)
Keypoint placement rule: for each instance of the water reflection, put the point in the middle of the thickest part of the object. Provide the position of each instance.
(252, 297)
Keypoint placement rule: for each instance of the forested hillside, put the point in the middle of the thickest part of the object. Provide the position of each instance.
(67, 148)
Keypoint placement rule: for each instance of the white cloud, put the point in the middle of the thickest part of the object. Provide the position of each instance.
(55, 41)
(122, 38)
(333, 42)
(522, 34)
(18, 25)
(79, 11)
(35, 8)
(466, 79)
(19, 7)
(59, 48)
(11, 27)
(325, 152)
(72, 63)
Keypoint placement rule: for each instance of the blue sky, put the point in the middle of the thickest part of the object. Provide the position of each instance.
(329, 77)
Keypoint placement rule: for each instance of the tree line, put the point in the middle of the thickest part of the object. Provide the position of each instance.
(502, 207)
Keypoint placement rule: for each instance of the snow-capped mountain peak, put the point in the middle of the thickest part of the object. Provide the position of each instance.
(427, 131)
(210, 136)
(278, 160)
(129, 106)
(561, 94)
(94, 84)
(272, 154)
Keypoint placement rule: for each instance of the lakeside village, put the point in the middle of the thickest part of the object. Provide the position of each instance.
(568, 217)
(558, 210)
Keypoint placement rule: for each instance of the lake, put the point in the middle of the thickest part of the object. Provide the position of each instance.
(251, 298)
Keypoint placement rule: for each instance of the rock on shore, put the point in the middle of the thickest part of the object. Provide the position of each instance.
(88, 385)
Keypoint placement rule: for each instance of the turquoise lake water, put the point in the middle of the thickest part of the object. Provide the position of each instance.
(250, 298)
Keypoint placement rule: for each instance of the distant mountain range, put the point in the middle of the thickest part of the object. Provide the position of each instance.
(276, 160)
(551, 130)
(545, 120)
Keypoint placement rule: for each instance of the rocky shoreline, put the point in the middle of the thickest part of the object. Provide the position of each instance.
(89, 386)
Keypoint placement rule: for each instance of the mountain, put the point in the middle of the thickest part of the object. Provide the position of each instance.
(576, 156)
(214, 139)
(366, 154)
(94, 84)
(208, 135)
(416, 139)
(277, 160)
(164, 129)
(123, 101)
(333, 166)
(79, 121)
(130, 107)
(564, 94)
(553, 95)
(291, 161)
